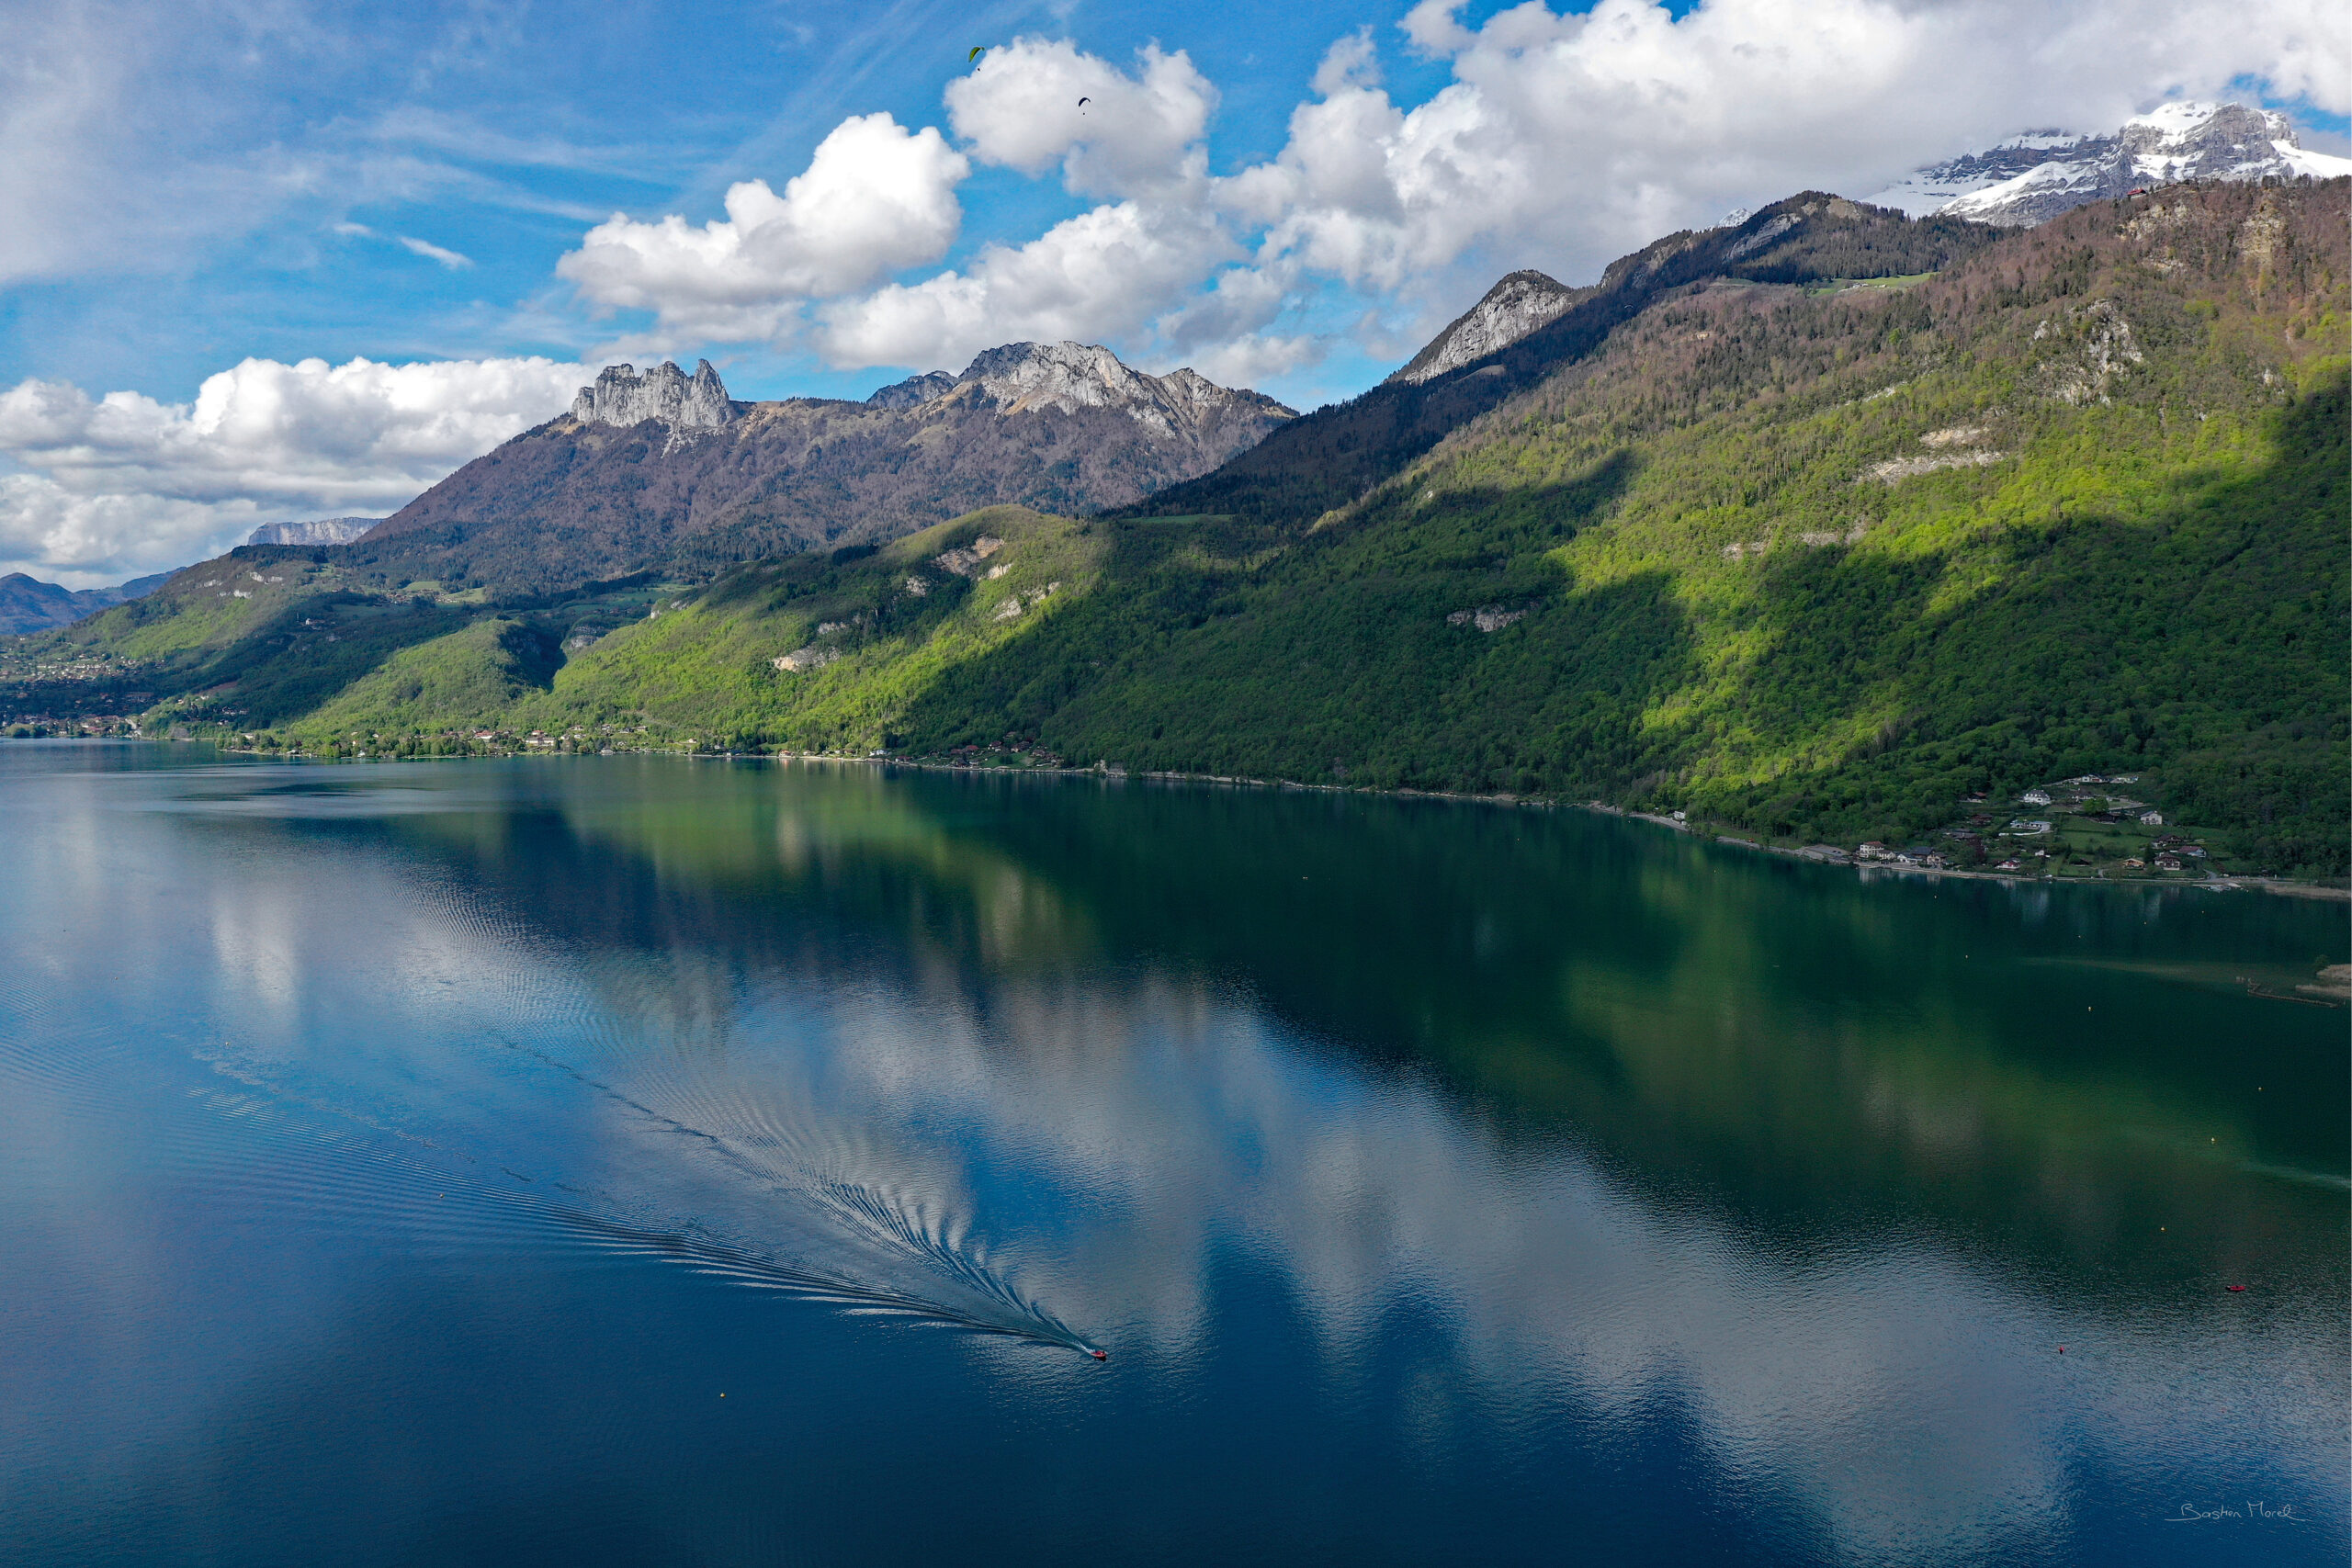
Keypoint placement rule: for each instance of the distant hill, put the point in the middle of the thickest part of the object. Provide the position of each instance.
(663, 471)
(2038, 175)
(28, 604)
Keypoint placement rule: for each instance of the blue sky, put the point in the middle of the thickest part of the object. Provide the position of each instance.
(199, 202)
(500, 133)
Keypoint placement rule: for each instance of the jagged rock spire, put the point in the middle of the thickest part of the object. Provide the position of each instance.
(620, 396)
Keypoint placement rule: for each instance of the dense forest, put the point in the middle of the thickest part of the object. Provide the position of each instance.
(1812, 540)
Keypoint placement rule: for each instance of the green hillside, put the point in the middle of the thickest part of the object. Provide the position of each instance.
(1806, 558)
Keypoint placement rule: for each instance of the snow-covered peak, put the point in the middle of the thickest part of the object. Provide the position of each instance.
(2032, 178)
(2181, 118)
(2317, 165)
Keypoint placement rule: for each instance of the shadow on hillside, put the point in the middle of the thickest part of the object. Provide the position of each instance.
(1216, 645)
(296, 661)
(2204, 638)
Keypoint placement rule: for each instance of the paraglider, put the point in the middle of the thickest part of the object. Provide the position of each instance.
(1083, 102)
(978, 51)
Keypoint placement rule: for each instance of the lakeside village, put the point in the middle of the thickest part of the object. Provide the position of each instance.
(2087, 826)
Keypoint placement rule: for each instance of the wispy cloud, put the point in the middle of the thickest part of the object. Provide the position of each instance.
(465, 139)
(432, 252)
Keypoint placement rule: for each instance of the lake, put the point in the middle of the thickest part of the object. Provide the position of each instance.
(650, 1160)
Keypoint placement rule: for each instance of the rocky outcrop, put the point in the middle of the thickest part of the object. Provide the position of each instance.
(2093, 348)
(622, 397)
(965, 560)
(914, 390)
(2042, 174)
(1486, 618)
(1512, 309)
(321, 531)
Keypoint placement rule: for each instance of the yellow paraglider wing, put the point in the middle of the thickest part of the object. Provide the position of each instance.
(978, 51)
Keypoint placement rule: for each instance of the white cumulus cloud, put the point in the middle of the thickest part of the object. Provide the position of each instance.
(1566, 139)
(1102, 275)
(874, 198)
(112, 486)
(1035, 103)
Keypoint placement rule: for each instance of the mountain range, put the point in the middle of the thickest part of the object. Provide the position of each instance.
(660, 469)
(28, 604)
(2034, 178)
(1812, 526)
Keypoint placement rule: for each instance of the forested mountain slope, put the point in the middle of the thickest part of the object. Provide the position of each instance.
(1327, 458)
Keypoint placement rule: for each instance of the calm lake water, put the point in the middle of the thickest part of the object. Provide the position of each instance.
(648, 1161)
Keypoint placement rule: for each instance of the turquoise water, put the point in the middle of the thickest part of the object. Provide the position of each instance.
(645, 1160)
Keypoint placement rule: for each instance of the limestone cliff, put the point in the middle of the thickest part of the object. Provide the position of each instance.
(622, 397)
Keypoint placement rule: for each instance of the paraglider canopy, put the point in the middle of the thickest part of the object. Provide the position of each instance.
(978, 51)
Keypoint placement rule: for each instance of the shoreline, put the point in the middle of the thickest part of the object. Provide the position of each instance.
(1845, 859)
(1864, 871)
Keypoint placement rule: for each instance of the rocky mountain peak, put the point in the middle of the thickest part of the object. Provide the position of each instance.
(1511, 309)
(1065, 376)
(622, 397)
(2033, 177)
(1028, 377)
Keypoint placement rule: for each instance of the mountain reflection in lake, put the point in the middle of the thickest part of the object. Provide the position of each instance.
(385, 1153)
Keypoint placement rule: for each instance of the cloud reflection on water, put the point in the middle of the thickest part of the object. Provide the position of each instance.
(1616, 1201)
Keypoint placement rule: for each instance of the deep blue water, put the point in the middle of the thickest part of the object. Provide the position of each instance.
(652, 1161)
